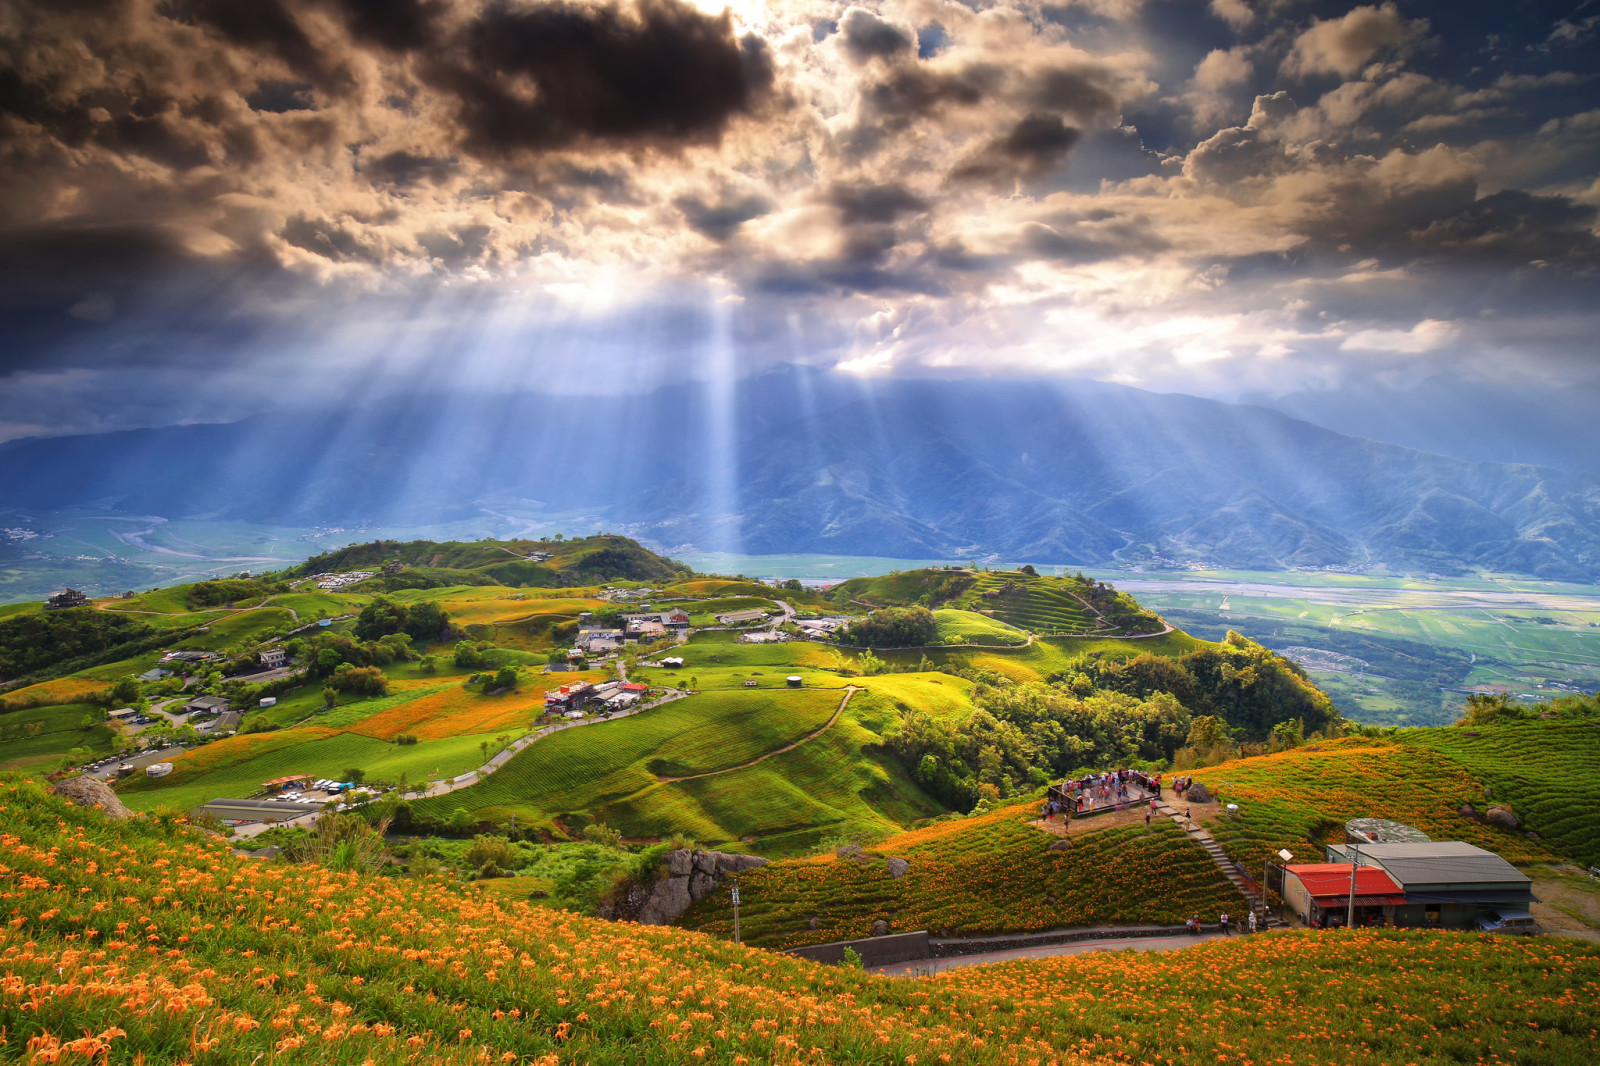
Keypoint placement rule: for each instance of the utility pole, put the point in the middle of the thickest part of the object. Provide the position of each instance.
(736, 939)
(1355, 864)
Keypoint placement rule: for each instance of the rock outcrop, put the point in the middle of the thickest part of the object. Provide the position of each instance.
(88, 791)
(686, 878)
(1502, 818)
(898, 867)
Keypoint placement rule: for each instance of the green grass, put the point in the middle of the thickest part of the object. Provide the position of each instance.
(994, 875)
(1044, 605)
(325, 757)
(589, 767)
(41, 735)
(975, 628)
(1546, 770)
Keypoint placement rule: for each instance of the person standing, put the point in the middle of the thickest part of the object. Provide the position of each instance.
(1252, 921)
(1222, 920)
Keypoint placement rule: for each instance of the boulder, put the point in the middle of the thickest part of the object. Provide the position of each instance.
(849, 851)
(701, 885)
(734, 864)
(668, 900)
(1197, 793)
(898, 867)
(1467, 810)
(679, 863)
(705, 862)
(1060, 845)
(1502, 818)
(88, 791)
(880, 928)
(1530, 834)
(811, 922)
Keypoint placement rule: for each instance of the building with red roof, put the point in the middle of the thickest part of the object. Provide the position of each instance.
(1320, 893)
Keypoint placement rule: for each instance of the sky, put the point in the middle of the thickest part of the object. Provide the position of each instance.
(211, 208)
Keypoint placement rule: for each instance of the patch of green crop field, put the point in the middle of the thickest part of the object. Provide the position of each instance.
(578, 769)
(323, 757)
(975, 628)
(836, 782)
(41, 735)
(1544, 769)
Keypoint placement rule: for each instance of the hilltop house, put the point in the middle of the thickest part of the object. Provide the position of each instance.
(569, 698)
(674, 619)
(1319, 893)
(66, 598)
(272, 658)
(645, 629)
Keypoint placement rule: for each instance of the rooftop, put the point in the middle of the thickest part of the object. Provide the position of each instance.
(1437, 862)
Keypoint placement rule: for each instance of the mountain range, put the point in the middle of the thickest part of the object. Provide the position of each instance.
(797, 460)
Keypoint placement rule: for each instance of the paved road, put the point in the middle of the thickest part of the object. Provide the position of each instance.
(928, 967)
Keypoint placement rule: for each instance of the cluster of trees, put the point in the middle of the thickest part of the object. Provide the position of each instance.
(1240, 682)
(893, 627)
(62, 640)
(361, 680)
(327, 652)
(204, 594)
(425, 621)
(1023, 735)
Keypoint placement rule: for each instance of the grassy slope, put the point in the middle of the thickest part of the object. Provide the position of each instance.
(58, 729)
(1546, 771)
(1295, 799)
(175, 943)
(976, 628)
(986, 874)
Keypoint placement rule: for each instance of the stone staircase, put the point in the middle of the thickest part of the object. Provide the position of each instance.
(1225, 864)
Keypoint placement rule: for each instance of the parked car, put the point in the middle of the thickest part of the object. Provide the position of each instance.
(1517, 923)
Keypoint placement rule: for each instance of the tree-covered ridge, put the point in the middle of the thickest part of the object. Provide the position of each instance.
(554, 563)
(1022, 598)
(38, 643)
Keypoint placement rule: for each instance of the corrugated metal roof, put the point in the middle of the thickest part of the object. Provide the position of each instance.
(1333, 879)
(1440, 862)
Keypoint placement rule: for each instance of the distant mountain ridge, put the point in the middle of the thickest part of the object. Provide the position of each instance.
(1077, 473)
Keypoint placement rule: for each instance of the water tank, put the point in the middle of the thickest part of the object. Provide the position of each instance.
(158, 769)
(793, 680)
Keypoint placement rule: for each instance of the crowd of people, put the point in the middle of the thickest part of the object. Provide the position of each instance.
(1113, 789)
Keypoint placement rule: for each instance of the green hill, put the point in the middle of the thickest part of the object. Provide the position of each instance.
(1020, 598)
(580, 561)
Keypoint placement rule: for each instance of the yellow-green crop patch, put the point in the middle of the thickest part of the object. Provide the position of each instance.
(975, 628)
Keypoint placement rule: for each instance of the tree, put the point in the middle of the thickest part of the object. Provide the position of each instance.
(602, 834)
(793, 585)
(355, 775)
(125, 691)
(491, 856)
(506, 679)
(1206, 733)
(330, 696)
(1027, 568)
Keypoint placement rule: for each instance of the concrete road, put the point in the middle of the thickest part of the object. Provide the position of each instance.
(927, 967)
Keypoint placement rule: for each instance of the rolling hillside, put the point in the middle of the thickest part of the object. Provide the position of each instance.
(245, 961)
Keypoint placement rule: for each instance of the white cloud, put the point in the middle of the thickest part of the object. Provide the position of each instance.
(1429, 335)
(1236, 13)
(1345, 45)
(1222, 69)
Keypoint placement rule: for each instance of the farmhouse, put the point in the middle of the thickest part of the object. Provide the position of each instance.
(272, 658)
(599, 641)
(742, 618)
(1448, 884)
(645, 629)
(674, 619)
(569, 697)
(206, 705)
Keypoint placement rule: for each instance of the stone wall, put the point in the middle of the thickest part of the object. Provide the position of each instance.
(874, 951)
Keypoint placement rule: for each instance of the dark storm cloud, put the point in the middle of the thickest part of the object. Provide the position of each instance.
(1519, 228)
(1083, 92)
(1031, 148)
(722, 220)
(658, 74)
(269, 26)
(400, 25)
(865, 36)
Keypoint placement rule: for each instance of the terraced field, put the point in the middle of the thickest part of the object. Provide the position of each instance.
(1036, 604)
(990, 873)
(1546, 770)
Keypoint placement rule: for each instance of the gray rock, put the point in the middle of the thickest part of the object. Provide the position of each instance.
(679, 863)
(898, 867)
(1197, 793)
(1502, 818)
(1467, 810)
(705, 862)
(880, 928)
(1531, 835)
(811, 923)
(734, 864)
(667, 902)
(1060, 845)
(88, 791)
(701, 885)
(849, 851)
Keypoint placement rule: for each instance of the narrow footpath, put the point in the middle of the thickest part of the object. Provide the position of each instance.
(929, 967)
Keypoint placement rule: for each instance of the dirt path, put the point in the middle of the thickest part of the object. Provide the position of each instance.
(850, 690)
